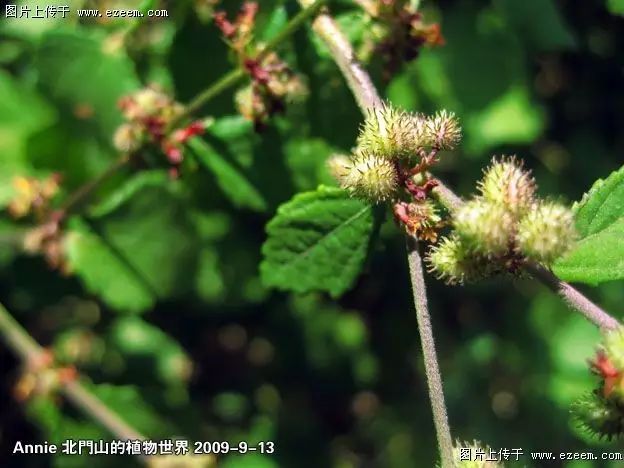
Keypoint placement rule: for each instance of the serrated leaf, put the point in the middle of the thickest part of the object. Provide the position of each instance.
(599, 255)
(66, 56)
(317, 241)
(137, 254)
(232, 181)
(602, 205)
(596, 258)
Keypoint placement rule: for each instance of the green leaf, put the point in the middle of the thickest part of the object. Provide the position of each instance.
(71, 148)
(306, 160)
(85, 70)
(232, 181)
(616, 7)
(512, 118)
(209, 281)
(335, 339)
(274, 24)
(596, 258)
(540, 23)
(59, 424)
(27, 29)
(130, 188)
(10, 241)
(22, 113)
(142, 251)
(317, 241)
(134, 337)
(602, 205)
(253, 460)
(599, 255)
(129, 405)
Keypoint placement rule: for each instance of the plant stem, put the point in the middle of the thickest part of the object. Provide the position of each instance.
(573, 298)
(446, 196)
(83, 192)
(224, 83)
(16, 338)
(227, 81)
(91, 406)
(237, 75)
(309, 10)
(367, 97)
(343, 54)
(29, 351)
(432, 369)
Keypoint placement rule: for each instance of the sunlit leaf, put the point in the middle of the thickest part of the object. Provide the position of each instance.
(317, 241)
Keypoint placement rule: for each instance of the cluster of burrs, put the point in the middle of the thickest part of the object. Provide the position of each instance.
(502, 227)
(394, 150)
(273, 84)
(601, 412)
(148, 113)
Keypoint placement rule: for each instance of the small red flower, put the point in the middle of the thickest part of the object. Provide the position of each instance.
(183, 134)
(605, 368)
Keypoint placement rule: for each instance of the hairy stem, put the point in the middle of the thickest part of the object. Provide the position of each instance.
(16, 338)
(446, 196)
(573, 298)
(432, 369)
(30, 352)
(367, 97)
(343, 54)
(92, 407)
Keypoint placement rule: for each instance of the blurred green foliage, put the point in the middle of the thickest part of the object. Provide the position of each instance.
(164, 308)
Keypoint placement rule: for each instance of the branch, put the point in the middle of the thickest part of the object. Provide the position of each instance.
(432, 369)
(367, 97)
(227, 81)
(91, 406)
(343, 54)
(573, 298)
(82, 193)
(29, 352)
(233, 77)
(446, 196)
(77, 198)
